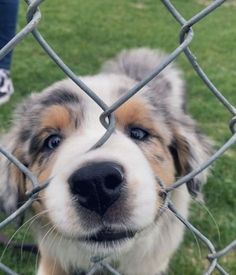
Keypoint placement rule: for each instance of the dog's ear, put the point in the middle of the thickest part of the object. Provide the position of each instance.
(12, 179)
(190, 149)
(166, 91)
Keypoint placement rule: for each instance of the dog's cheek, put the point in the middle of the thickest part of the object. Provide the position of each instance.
(54, 201)
(61, 210)
(143, 203)
(161, 162)
(143, 199)
(38, 206)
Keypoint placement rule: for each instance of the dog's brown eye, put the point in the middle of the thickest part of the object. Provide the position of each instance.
(52, 142)
(138, 133)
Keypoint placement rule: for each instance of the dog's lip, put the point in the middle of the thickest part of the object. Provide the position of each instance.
(107, 235)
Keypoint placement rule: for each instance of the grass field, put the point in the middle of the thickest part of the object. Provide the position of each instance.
(84, 34)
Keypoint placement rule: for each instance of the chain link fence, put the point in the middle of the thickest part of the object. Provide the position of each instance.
(108, 121)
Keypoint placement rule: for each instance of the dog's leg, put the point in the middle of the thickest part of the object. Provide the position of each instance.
(49, 266)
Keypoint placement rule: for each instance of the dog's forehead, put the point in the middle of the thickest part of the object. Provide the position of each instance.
(66, 95)
(64, 104)
(108, 87)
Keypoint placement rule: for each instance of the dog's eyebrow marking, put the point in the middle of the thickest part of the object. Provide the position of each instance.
(136, 113)
(133, 112)
(56, 116)
(60, 97)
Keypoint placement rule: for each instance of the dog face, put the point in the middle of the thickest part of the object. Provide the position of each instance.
(103, 197)
(112, 187)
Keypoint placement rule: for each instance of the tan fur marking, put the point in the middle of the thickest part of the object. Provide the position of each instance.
(38, 205)
(165, 169)
(134, 112)
(17, 177)
(56, 116)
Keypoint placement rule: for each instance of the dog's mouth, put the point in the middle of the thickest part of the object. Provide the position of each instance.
(108, 236)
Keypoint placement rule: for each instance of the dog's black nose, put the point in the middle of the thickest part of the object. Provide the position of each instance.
(97, 186)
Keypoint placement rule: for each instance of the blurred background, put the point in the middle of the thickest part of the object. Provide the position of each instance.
(85, 34)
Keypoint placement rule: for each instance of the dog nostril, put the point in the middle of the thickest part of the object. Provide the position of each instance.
(82, 189)
(113, 181)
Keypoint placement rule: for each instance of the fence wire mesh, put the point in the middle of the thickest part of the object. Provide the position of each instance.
(108, 121)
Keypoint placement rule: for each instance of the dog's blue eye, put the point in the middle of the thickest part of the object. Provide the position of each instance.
(138, 134)
(52, 142)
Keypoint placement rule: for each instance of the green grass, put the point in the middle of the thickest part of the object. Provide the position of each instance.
(84, 34)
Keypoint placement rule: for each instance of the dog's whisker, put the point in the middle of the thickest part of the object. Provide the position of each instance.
(207, 210)
(53, 240)
(14, 234)
(32, 220)
(47, 234)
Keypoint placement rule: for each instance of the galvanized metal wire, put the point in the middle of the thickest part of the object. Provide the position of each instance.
(107, 119)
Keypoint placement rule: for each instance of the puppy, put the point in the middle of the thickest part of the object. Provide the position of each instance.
(106, 201)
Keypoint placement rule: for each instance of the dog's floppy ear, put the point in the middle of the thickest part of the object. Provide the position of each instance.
(190, 149)
(167, 87)
(12, 179)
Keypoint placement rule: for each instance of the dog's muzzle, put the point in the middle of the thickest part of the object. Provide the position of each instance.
(97, 186)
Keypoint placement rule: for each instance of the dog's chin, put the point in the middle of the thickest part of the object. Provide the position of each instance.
(107, 240)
